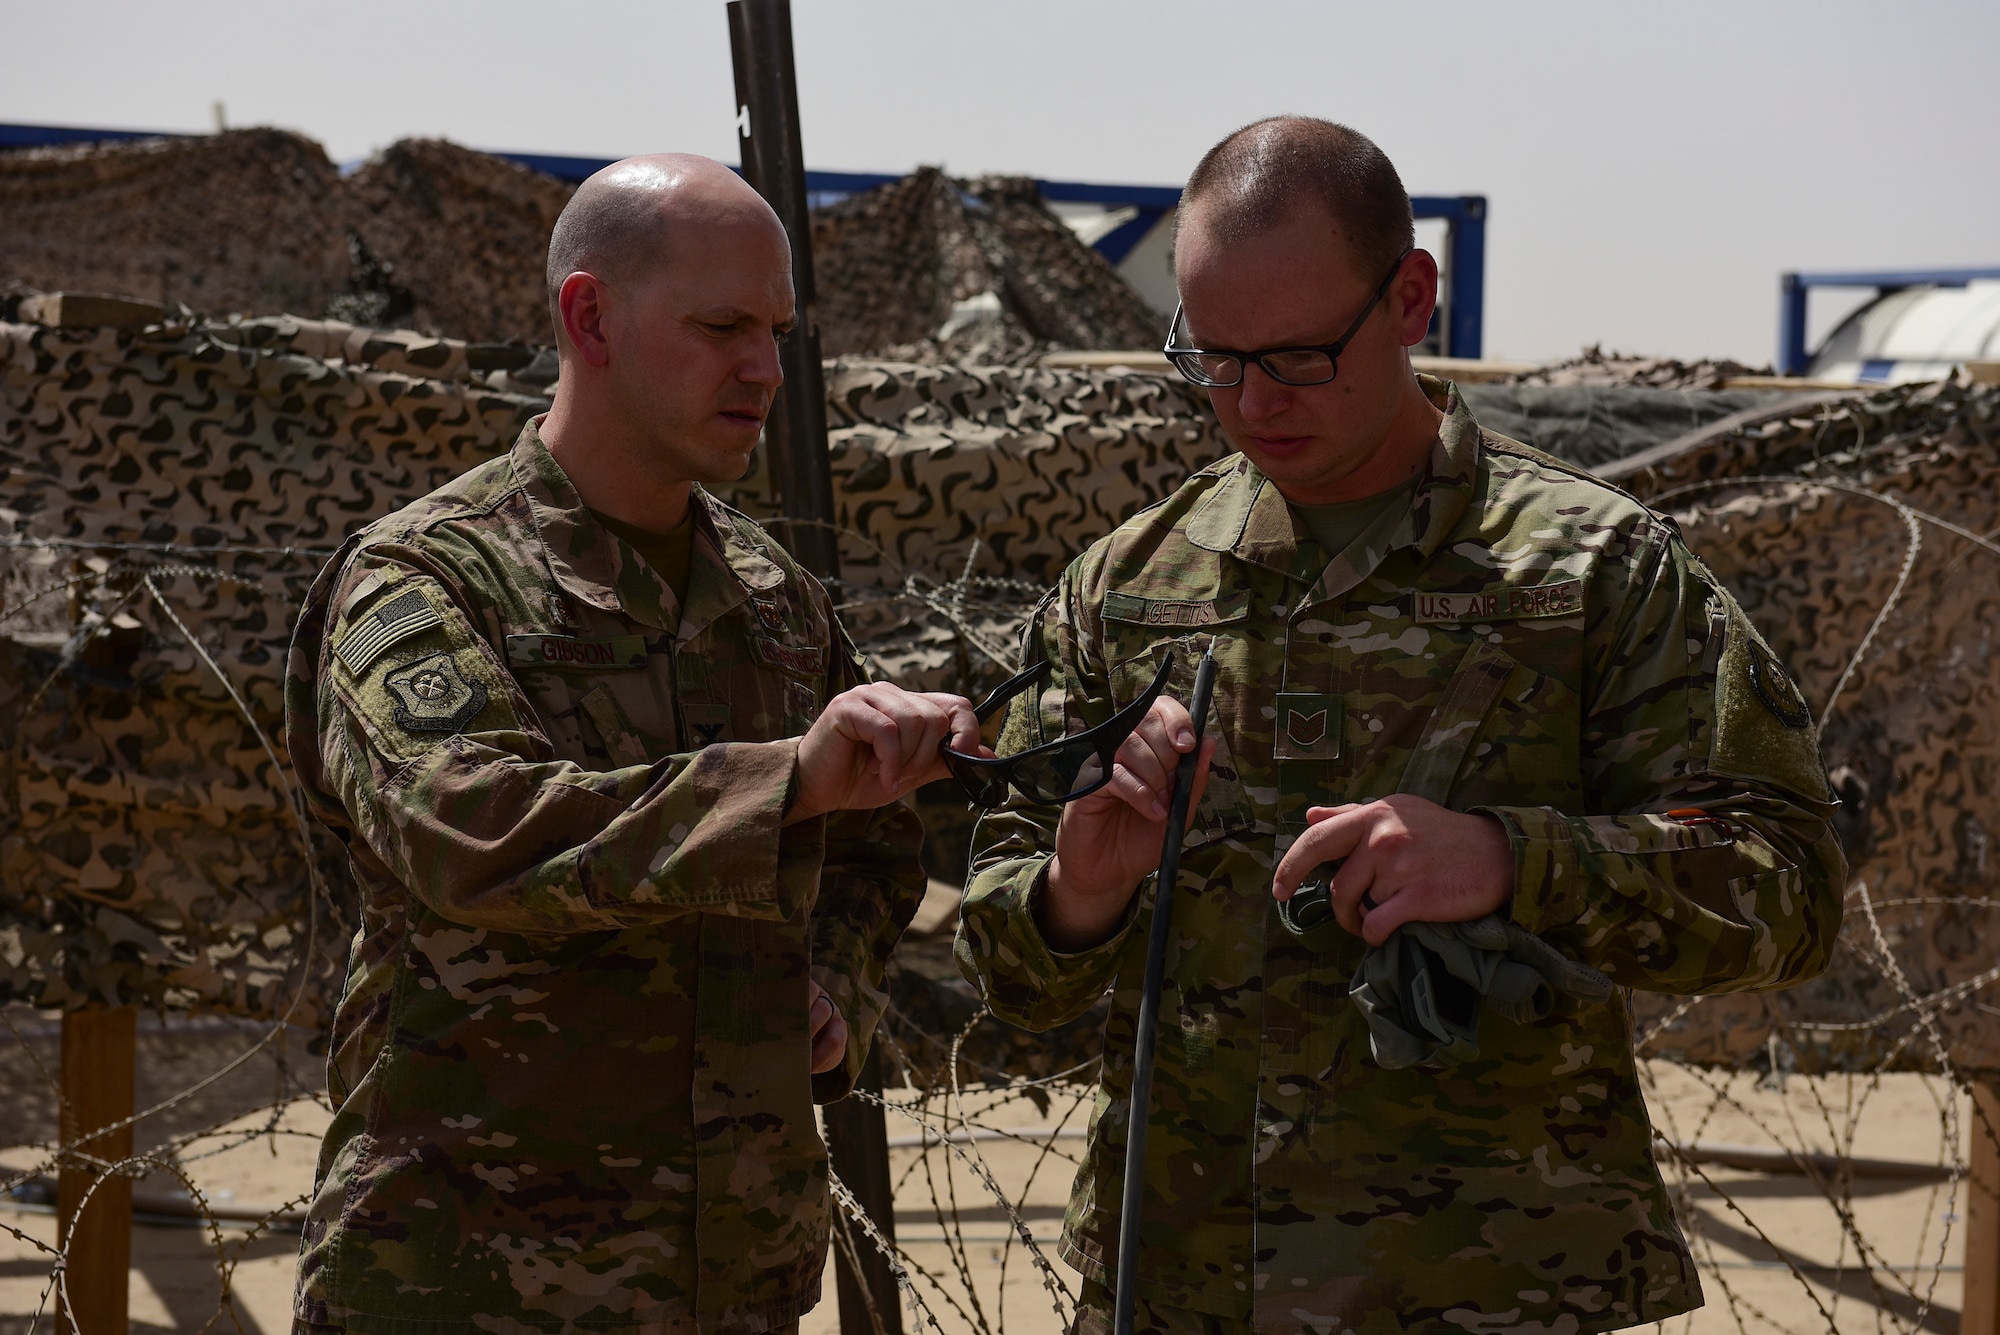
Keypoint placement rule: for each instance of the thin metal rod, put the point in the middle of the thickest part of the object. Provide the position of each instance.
(1146, 1040)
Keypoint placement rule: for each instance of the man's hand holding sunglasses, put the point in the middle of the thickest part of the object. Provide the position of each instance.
(874, 744)
(1110, 841)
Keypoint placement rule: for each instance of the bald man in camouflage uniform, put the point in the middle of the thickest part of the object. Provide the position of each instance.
(1476, 679)
(619, 802)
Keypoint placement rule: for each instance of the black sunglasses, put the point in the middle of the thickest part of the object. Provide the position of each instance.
(1048, 773)
(1305, 364)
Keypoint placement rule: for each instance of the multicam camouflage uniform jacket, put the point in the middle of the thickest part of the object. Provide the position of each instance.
(1523, 641)
(570, 1065)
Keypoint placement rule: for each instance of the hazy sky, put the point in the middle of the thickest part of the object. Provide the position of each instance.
(1651, 169)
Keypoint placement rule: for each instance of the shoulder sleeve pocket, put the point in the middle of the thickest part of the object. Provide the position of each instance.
(409, 668)
(1763, 728)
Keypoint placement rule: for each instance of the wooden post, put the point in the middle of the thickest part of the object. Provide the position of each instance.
(99, 1050)
(1980, 1311)
(857, 1137)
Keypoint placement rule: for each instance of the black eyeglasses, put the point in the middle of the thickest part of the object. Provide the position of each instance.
(1309, 364)
(1053, 772)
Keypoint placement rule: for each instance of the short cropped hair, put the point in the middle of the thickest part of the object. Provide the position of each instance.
(1252, 180)
(610, 233)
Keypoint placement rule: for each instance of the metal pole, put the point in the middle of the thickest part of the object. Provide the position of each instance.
(94, 1211)
(1145, 1041)
(767, 119)
(1791, 325)
(1465, 334)
(1980, 1309)
(858, 1143)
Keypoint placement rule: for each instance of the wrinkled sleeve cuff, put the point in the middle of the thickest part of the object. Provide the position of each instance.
(801, 860)
(740, 858)
(1549, 889)
(1001, 949)
(1100, 959)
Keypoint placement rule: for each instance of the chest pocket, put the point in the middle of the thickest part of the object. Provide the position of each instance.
(620, 739)
(1139, 634)
(755, 674)
(1500, 732)
(603, 697)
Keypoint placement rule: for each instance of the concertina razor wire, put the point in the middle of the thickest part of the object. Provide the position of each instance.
(951, 1126)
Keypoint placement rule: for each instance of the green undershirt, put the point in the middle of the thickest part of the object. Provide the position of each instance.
(667, 553)
(1336, 526)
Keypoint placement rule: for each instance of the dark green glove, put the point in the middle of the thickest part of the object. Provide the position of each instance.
(1422, 990)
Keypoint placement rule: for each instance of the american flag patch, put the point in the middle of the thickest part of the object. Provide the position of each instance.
(392, 622)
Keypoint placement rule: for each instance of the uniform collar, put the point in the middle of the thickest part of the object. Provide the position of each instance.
(1247, 516)
(599, 568)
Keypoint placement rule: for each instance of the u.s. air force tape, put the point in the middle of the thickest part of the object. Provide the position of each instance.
(384, 627)
(1506, 602)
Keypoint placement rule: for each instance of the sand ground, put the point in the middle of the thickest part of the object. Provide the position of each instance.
(979, 1276)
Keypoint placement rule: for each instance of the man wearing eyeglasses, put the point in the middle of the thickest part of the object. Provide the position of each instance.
(1482, 691)
(621, 807)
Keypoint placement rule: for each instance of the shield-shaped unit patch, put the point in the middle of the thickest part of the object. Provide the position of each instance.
(432, 695)
(1775, 687)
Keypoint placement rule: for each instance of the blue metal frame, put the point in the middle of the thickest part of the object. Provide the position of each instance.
(1463, 312)
(1794, 287)
(45, 136)
(1458, 326)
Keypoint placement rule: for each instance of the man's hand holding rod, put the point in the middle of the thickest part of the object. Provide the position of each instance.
(1110, 841)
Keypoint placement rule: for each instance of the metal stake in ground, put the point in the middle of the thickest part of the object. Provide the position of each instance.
(767, 111)
(1146, 1039)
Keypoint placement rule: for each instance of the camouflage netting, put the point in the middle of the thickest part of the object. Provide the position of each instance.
(1595, 366)
(1857, 534)
(433, 237)
(1594, 424)
(892, 263)
(962, 493)
(189, 478)
(463, 238)
(426, 235)
(203, 470)
(248, 220)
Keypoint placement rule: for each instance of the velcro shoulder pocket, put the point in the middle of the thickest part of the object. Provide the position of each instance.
(409, 668)
(1764, 729)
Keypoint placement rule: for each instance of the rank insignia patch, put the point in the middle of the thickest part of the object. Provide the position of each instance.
(706, 721)
(1305, 729)
(1309, 726)
(432, 695)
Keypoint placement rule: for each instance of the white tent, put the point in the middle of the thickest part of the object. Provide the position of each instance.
(1915, 333)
